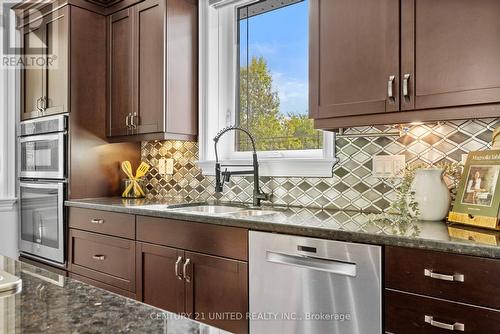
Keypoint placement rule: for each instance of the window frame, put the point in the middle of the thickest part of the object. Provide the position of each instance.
(218, 31)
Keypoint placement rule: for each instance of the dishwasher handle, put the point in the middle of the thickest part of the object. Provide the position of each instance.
(307, 262)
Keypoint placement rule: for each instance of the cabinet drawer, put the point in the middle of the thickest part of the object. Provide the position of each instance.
(462, 278)
(112, 223)
(229, 242)
(107, 259)
(411, 314)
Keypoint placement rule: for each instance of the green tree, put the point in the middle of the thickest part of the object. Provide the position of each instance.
(260, 113)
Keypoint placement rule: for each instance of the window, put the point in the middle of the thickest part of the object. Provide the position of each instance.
(254, 73)
(272, 76)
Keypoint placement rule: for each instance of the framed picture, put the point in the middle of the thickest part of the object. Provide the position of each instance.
(479, 190)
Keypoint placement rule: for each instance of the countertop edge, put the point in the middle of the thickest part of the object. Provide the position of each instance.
(486, 251)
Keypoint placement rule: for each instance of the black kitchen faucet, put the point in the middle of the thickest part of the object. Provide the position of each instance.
(222, 177)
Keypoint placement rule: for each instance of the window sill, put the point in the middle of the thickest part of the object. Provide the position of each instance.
(7, 204)
(280, 167)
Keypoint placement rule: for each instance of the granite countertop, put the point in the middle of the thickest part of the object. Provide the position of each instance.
(50, 303)
(329, 224)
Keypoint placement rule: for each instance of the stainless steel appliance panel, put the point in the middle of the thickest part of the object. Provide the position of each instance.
(303, 285)
(43, 125)
(42, 220)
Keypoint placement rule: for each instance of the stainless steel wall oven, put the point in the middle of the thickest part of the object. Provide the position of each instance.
(42, 188)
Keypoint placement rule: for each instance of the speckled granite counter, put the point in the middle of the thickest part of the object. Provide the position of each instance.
(49, 303)
(335, 225)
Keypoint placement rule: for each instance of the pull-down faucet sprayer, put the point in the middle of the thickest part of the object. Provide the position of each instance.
(223, 176)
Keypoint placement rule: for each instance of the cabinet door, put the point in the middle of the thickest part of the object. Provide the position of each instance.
(121, 69)
(150, 51)
(354, 57)
(56, 81)
(216, 290)
(32, 72)
(456, 50)
(157, 283)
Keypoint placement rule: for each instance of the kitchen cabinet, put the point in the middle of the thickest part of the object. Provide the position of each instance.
(200, 270)
(456, 52)
(120, 72)
(210, 287)
(217, 290)
(354, 65)
(403, 61)
(157, 281)
(204, 287)
(152, 61)
(103, 258)
(428, 291)
(45, 75)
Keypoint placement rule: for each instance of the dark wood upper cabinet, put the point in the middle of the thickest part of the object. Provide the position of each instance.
(354, 57)
(456, 52)
(120, 67)
(152, 89)
(447, 53)
(45, 78)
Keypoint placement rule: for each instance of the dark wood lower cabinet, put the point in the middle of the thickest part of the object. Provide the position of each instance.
(407, 314)
(217, 291)
(207, 288)
(157, 283)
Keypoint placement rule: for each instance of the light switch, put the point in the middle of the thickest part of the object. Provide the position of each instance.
(166, 166)
(386, 166)
(162, 166)
(170, 166)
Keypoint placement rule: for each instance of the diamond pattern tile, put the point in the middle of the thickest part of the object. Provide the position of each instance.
(351, 185)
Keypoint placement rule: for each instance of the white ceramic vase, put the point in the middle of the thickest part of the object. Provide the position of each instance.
(431, 194)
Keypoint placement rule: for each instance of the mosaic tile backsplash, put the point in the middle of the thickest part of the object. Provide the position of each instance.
(351, 187)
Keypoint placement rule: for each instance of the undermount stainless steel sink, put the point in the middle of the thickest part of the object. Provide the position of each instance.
(208, 209)
(252, 213)
(212, 210)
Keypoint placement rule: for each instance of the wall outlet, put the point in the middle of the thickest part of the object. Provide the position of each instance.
(166, 166)
(387, 166)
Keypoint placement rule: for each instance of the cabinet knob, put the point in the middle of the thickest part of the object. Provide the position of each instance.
(97, 221)
(99, 257)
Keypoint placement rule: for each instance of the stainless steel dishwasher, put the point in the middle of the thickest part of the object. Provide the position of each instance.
(303, 285)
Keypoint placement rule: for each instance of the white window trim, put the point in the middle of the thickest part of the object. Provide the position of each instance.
(9, 91)
(217, 101)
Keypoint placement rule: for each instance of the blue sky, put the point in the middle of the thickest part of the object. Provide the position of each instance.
(281, 37)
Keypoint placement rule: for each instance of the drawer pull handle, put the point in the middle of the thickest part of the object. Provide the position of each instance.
(457, 326)
(451, 278)
(179, 276)
(187, 278)
(99, 257)
(97, 221)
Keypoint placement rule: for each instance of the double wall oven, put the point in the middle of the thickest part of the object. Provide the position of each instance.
(43, 180)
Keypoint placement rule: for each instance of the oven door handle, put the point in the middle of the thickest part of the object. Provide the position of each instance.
(57, 136)
(51, 185)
